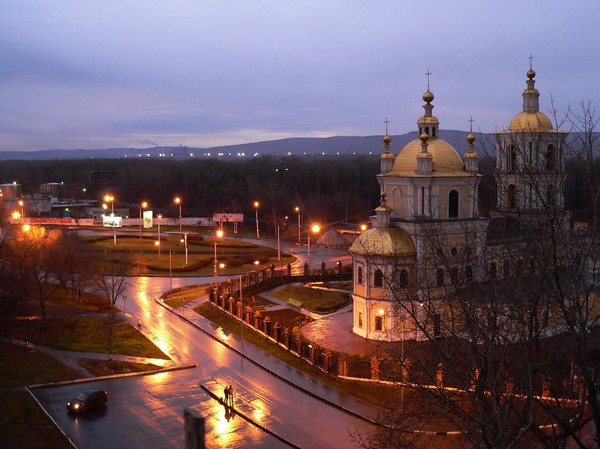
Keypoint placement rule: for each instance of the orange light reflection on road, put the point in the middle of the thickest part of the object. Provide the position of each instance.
(224, 427)
(259, 410)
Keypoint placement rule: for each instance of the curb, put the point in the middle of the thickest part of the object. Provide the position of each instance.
(274, 374)
(250, 420)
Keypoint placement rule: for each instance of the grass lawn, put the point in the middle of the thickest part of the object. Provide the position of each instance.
(313, 299)
(108, 367)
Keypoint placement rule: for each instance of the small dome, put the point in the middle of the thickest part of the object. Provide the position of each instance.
(387, 139)
(470, 138)
(428, 96)
(383, 242)
(445, 159)
(530, 121)
(424, 137)
(530, 73)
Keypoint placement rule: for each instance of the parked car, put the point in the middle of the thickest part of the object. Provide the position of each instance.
(87, 400)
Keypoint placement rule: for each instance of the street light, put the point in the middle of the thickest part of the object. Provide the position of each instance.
(22, 208)
(280, 223)
(315, 229)
(297, 209)
(110, 199)
(218, 234)
(256, 204)
(158, 217)
(142, 205)
(178, 202)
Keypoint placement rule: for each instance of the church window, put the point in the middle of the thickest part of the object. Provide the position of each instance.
(453, 204)
(551, 158)
(427, 130)
(433, 132)
(378, 279)
(379, 323)
(360, 319)
(437, 325)
(512, 196)
(493, 270)
(512, 158)
(359, 275)
(439, 277)
(404, 278)
(506, 268)
(550, 194)
(469, 273)
(454, 251)
(454, 275)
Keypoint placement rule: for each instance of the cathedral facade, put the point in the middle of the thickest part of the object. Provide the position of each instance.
(427, 238)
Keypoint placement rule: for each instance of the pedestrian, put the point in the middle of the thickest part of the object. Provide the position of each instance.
(227, 395)
(139, 325)
(230, 395)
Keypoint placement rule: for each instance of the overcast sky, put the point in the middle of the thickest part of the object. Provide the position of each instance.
(128, 73)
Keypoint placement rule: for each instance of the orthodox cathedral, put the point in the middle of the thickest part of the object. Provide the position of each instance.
(428, 237)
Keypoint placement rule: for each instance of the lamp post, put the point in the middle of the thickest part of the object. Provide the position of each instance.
(256, 204)
(21, 204)
(184, 240)
(315, 229)
(178, 201)
(159, 216)
(124, 303)
(218, 234)
(142, 205)
(297, 209)
(111, 199)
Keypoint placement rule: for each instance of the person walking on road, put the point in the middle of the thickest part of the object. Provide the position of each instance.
(226, 396)
(230, 396)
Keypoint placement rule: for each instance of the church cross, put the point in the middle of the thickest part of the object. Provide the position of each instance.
(471, 124)
(530, 60)
(386, 121)
(428, 74)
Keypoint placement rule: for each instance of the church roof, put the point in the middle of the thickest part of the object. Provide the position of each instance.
(383, 242)
(444, 157)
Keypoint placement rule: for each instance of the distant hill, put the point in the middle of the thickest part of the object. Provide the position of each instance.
(298, 146)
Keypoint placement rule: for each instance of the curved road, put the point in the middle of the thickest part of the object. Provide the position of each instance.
(147, 411)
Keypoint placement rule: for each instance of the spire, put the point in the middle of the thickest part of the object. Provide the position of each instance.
(470, 157)
(428, 124)
(387, 158)
(531, 96)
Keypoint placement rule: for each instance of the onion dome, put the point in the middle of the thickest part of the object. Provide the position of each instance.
(531, 119)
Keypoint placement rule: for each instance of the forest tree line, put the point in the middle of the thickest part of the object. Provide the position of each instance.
(328, 190)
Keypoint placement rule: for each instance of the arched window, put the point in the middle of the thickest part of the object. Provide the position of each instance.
(469, 273)
(512, 196)
(379, 323)
(550, 194)
(453, 204)
(493, 270)
(427, 130)
(551, 158)
(439, 277)
(454, 275)
(359, 275)
(397, 202)
(378, 279)
(433, 132)
(404, 278)
(511, 163)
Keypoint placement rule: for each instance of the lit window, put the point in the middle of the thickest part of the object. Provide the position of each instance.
(378, 323)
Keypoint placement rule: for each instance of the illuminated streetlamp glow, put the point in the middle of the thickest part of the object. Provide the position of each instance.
(218, 234)
(315, 229)
(297, 209)
(142, 205)
(158, 217)
(178, 201)
(256, 204)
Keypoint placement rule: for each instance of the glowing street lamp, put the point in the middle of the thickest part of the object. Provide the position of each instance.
(21, 204)
(315, 229)
(297, 209)
(158, 218)
(178, 201)
(108, 198)
(16, 215)
(256, 204)
(142, 205)
(218, 234)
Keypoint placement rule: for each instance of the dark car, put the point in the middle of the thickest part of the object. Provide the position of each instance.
(87, 400)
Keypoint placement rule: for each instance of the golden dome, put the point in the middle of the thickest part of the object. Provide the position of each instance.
(470, 137)
(383, 242)
(387, 139)
(530, 73)
(428, 96)
(445, 158)
(530, 121)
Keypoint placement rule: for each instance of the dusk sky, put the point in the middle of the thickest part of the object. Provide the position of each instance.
(127, 73)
